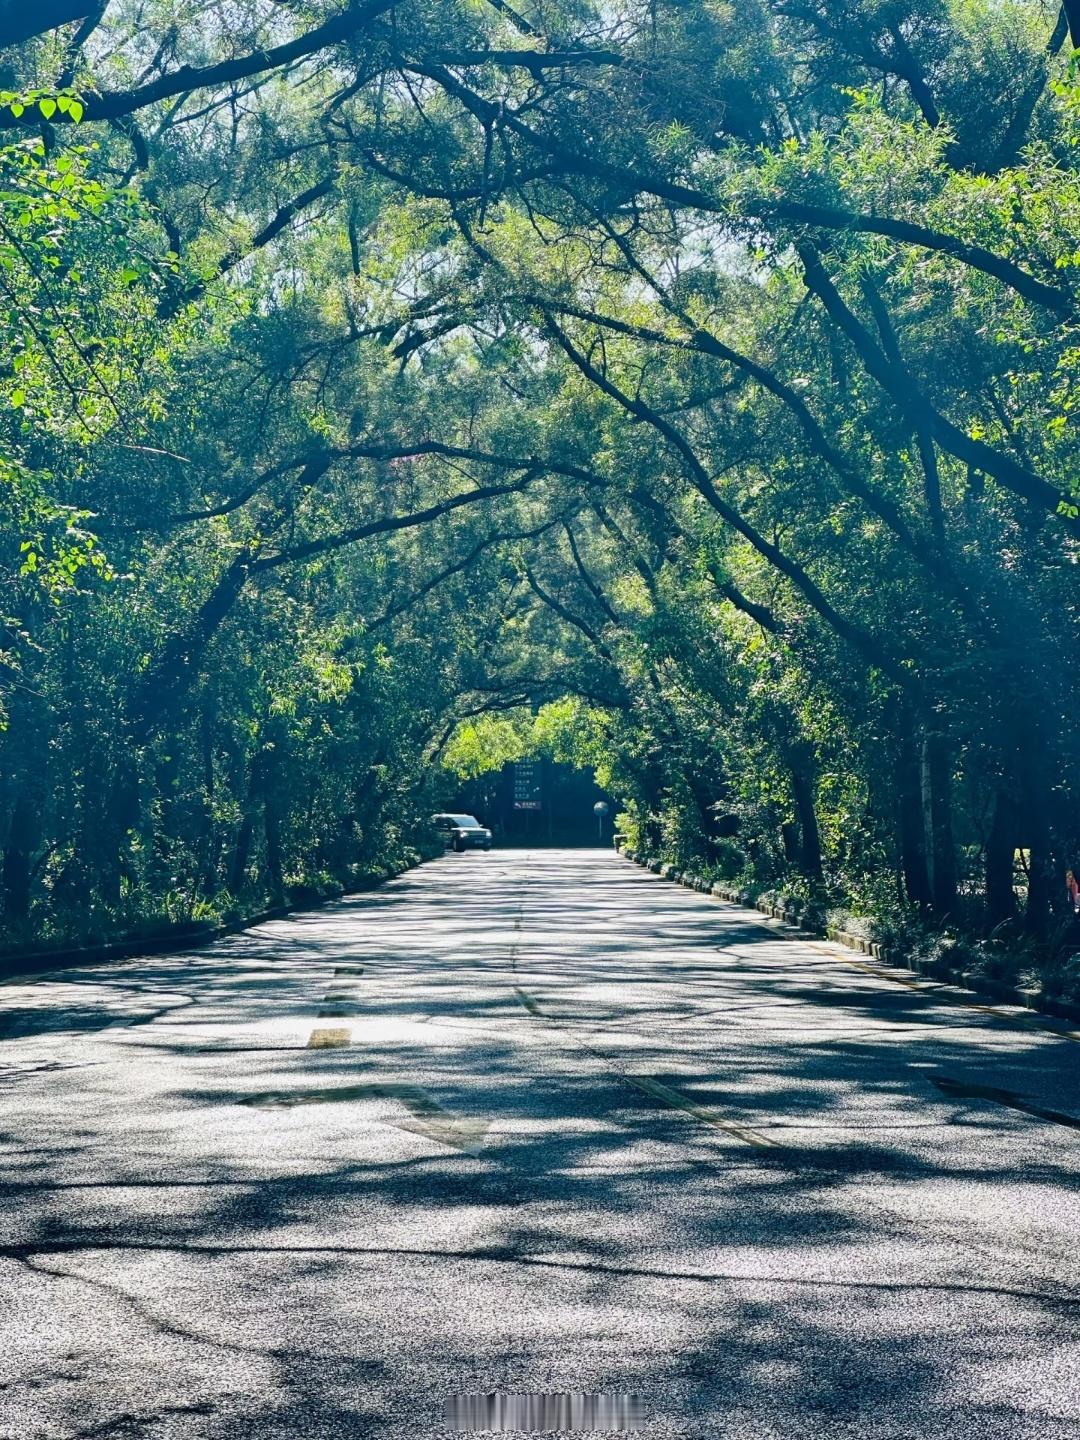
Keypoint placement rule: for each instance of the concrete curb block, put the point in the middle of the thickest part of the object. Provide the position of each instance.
(196, 935)
(931, 969)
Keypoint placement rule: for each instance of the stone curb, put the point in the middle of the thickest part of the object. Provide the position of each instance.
(932, 969)
(191, 936)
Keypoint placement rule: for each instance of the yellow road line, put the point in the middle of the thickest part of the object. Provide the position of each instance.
(660, 1091)
(875, 970)
(678, 1101)
(880, 972)
(328, 1039)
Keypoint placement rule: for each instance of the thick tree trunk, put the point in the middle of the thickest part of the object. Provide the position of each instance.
(107, 820)
(275, 868)
(910, 816)
(18, 859)
(270, 774)
(210, 839)
(1041, 876)
(1000, 849)
(810, 847)
(704, 799)
(936, 786)
(241, 854)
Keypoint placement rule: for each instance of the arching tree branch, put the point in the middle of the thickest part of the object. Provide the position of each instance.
(107, 106)
(897, 381)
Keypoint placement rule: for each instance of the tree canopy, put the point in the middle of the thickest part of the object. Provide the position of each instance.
(686, 389)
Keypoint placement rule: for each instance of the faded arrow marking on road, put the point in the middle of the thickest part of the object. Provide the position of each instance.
(432, 1119)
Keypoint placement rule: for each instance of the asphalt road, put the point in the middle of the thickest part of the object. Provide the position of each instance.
(532, 1123)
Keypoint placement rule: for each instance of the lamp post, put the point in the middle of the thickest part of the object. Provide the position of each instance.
(600, 809)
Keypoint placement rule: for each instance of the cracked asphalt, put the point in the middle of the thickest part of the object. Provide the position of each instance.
(533, 1122)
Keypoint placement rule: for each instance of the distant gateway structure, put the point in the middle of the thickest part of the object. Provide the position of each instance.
(537, 800)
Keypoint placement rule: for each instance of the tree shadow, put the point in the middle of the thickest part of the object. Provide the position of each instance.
(890, 1251)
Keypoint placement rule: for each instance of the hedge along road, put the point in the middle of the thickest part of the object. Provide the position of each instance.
(532, 1123)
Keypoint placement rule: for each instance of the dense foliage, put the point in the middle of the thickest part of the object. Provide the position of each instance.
(693, 386)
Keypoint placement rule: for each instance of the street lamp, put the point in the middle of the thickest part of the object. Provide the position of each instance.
(600, 809)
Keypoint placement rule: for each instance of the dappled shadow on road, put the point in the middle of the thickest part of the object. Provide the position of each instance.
(810, 1234)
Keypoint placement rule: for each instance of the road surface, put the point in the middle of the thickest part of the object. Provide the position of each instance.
(531, 1124)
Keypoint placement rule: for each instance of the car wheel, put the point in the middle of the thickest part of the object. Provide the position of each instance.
(459, 846)
(487, 846)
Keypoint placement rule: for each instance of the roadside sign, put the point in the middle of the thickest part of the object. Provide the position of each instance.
(527, 786)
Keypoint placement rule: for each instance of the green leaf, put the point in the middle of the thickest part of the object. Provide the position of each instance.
(47, 108)
(18, 398)
(75, 110)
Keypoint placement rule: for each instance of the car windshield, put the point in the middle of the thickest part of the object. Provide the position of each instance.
(465, 822)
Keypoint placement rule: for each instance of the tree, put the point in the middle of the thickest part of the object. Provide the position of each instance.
(728, 350)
